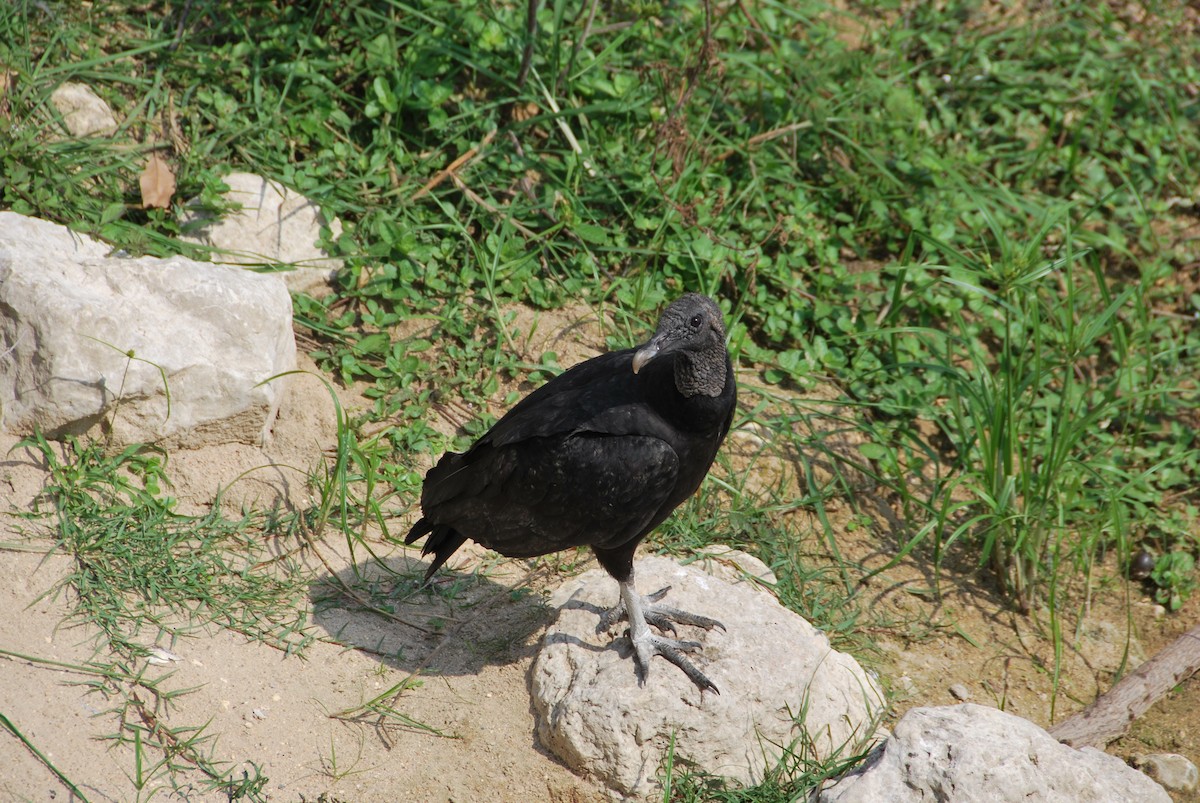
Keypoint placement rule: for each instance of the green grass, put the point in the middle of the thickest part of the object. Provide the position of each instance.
(975, 229)
(142, 577)
(141, 572)
(803, 765)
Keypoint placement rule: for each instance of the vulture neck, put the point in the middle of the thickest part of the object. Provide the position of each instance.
(700, 373)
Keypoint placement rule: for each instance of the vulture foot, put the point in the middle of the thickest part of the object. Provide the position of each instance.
(641, 612)
(661, 616)
(650, 645)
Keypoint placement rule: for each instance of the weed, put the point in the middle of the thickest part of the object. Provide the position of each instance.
(142, 576)
(1174, 575)
(32, 748)
(792, 772)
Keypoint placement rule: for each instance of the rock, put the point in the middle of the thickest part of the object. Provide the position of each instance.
(70, 313)
(275, 225)
(84, 113)
(773, 669)
(735, 566)
(959, 691)
(1172, 770)
(969, 752)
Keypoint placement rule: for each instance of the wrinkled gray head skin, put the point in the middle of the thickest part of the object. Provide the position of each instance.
(691, 328)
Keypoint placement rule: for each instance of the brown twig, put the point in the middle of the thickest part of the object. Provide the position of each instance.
(495, 210)
(766, 136)
(1110, 715)
(587, 30)
(448, 170)
(345, 590)
(530, 37)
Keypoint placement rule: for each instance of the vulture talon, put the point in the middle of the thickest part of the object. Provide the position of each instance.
(673, 651)
(661, 616)
(664, 617)
(646, 644)
(668, 614)
(657, 595)
(661, 622)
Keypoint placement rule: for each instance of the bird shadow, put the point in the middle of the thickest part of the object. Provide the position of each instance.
(455, 625)
(622, 645)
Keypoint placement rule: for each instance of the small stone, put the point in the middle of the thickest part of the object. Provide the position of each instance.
(84, 113)
(960, 692)
(275, 226)
(1172, 770)
(749, 436)
(1141, 564)
(160, 656)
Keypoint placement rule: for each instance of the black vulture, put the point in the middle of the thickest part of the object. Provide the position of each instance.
(599, 456)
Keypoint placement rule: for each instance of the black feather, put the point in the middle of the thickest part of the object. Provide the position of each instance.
(599, 456)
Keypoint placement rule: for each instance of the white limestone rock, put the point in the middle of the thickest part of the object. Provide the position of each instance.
(735, 566)
(70, 313)
(972, 753)
(275, 226)
(1172, 770)
(84, 113)
(773, 670)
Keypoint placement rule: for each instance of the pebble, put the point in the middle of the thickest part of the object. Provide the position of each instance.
(1173, 771)
(960, 692)
(1141, 564)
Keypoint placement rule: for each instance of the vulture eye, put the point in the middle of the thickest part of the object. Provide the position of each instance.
(696, 321)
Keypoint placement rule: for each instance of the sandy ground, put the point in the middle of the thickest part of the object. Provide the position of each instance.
(261, 705)
(258, 703)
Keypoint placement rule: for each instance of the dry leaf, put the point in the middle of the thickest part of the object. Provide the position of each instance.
(158, 183)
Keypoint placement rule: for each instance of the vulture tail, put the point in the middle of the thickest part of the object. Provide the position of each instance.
(443, 542)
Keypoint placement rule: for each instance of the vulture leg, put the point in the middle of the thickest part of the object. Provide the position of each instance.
(661, 616)
(641, 613)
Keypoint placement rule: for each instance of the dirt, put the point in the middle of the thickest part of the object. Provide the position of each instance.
(471, 732)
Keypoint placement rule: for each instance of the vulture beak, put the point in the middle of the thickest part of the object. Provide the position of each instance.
(645, 354)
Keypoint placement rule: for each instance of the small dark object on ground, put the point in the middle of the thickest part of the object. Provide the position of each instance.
(1140, 565)
(599, 456)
